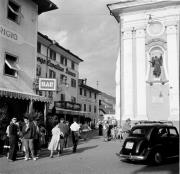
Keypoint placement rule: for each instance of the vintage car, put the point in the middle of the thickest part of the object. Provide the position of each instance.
(152, 142)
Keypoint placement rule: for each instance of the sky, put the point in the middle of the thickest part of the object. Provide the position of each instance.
(86, 28)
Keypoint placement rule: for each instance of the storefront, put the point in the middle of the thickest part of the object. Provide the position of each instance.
(17, 104)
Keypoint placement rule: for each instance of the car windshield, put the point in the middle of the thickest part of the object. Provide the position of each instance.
(140, 131)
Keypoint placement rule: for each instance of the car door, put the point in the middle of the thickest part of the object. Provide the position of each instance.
(163, 140)
(173, 141)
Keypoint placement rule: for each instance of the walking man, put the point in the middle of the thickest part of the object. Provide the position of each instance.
(75, 134)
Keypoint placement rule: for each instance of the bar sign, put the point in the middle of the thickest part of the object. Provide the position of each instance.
(46, 84)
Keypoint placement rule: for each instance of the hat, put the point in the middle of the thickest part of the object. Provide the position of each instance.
(128, 119)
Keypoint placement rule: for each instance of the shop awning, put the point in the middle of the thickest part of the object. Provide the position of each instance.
(21, 95)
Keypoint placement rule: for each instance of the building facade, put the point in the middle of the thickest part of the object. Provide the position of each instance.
(147, 75)
(18, 45)
(54, 61)
(107, 104)
(88, 98)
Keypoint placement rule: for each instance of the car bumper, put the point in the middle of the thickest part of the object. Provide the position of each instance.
(133, 157)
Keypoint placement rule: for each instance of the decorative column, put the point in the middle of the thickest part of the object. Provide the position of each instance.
(141, 75)
(127, 76)
(118, 107)
(173, 71)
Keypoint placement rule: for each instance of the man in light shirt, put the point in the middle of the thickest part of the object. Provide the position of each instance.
(75, 134)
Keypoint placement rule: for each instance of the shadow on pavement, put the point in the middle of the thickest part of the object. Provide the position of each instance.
(46, 153)
(170, 167)
(80, 150)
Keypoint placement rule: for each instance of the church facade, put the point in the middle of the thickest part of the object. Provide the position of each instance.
(147, 70)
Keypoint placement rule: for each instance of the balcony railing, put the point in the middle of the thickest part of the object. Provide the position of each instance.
(68, 105)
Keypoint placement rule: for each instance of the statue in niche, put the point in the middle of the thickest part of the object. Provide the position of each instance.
(156, 63)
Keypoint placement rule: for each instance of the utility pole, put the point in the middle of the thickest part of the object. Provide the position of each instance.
(97, 84)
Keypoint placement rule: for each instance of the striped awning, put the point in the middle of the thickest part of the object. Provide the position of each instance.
(22, 95)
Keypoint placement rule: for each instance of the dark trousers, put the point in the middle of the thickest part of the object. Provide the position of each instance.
(36, 146)
(61, 144)
(13, 142)
(65, 140)
(75, 139)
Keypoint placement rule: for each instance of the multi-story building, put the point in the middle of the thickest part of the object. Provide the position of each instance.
(54, 61)
(106, 104)
(88, 97)
(18, 45)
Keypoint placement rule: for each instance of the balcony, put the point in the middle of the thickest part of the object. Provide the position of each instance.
(68, 105)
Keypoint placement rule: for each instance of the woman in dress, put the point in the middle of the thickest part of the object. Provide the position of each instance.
(54, 144)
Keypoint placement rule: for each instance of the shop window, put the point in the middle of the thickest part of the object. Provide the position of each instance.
(38, 70)
(52, 55)
(14, 12)
(72, 65)
(73, 83)
(39, 47)
(11, 66)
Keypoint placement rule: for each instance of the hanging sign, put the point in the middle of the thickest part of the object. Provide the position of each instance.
(47, 84)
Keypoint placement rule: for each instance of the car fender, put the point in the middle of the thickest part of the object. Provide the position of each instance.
(141, 146)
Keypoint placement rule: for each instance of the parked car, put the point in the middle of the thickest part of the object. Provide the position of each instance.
(152, 142)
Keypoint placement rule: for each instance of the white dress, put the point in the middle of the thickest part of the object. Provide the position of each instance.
(55, 140)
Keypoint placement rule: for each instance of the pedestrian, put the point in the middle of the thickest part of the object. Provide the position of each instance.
(36, 140)
(100, 129)
(75, 134)
(54, 144)
(62, 127)
(13, 139)
(85, 130)
(126, 128)
(28, 138)
(66, 134)
(105, 130)
(6, 141)
(42, 136)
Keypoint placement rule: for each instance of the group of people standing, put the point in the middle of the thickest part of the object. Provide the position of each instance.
(60, 134)
(114, 131)
(28, 134)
